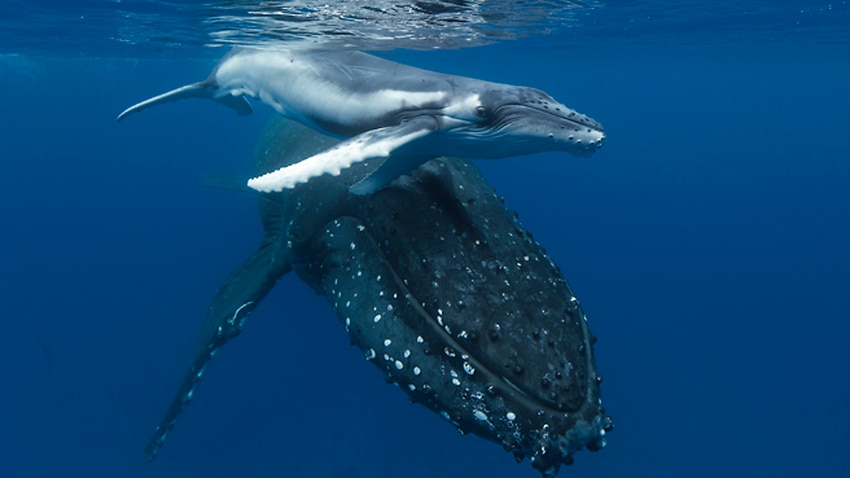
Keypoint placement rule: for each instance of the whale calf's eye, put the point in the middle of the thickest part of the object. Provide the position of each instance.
(482, 111)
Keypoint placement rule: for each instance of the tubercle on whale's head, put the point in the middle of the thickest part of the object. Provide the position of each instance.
(526, 120)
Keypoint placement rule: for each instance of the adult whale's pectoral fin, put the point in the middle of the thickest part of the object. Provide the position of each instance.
(375, 146)
(202, 89)
(240, 293)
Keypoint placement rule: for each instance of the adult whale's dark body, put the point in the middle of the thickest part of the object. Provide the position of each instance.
(440, 287)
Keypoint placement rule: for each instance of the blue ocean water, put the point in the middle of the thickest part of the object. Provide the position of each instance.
(708, 241)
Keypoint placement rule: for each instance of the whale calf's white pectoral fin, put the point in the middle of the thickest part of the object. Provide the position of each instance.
(376, 144)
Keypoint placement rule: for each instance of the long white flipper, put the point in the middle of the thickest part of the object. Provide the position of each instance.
(375, 144)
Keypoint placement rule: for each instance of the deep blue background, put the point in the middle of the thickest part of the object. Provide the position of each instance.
(707, 242)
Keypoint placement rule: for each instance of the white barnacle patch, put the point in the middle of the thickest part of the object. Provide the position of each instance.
(417, 371)
(449, 352)
(468, 368)
(406, 353)
(387, 342)
(456, 382)
(479, 415)
(511, 416)
(412, 387)
(399, 365)
(389, 307)
(370, 354)
(419, 339)
(377, 318)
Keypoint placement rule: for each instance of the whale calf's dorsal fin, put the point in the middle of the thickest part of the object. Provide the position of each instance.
(202, 89)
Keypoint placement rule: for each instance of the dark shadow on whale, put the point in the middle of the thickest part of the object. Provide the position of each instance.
(440, 287)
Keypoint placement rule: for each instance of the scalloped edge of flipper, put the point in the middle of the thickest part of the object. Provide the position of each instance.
(373, 144)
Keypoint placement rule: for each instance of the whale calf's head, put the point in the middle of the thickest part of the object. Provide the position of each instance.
(525, 120)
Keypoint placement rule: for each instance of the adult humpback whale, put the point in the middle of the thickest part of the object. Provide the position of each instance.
(388, 111)
(439, 286)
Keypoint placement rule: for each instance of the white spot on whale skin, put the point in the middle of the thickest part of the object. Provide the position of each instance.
(417, 370)
(479, 415)
(377, 318)
(511, 416)
(387, 342)
(399, 365)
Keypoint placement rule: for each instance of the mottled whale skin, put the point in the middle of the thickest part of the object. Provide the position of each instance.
(394, 116)
(440, 287)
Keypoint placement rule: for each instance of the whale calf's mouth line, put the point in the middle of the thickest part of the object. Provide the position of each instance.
(556, 114)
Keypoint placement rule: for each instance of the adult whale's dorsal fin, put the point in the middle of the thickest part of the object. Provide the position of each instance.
(376, 145)
(203, 89)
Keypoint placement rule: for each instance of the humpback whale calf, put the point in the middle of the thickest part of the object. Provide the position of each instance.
(394, 116)
(440, 287)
